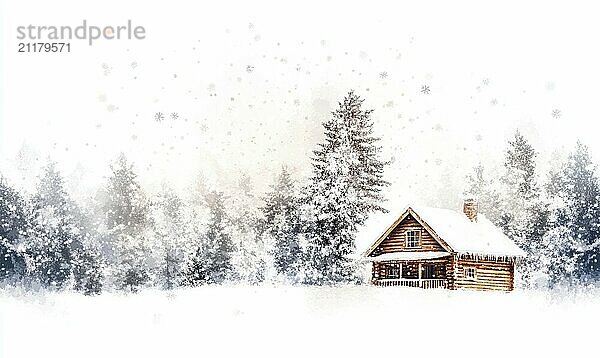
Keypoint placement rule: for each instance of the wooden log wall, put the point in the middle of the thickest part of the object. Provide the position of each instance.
(396, 241)
(489, 275)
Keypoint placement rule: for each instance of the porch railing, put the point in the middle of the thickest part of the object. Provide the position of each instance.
(421, 283)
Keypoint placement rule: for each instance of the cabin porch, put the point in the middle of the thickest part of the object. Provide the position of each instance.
(411, 273)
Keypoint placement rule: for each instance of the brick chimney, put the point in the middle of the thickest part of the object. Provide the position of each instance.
(470, 209)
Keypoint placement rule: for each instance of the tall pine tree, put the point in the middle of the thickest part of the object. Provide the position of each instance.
(344, 189)
(249, 258)
(170, 232)
(525, 215)
(514, 203)
(211, 260)
(125, 212)
(280, 226)
(578, 219)
(54, 230)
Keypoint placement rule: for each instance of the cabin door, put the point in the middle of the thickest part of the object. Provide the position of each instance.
(428, 271)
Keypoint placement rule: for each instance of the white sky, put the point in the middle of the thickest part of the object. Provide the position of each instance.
(535, 57)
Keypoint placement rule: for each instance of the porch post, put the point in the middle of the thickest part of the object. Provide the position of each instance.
(400, 270)
(419, 272)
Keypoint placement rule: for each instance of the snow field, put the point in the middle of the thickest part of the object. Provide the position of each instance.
(296, 322)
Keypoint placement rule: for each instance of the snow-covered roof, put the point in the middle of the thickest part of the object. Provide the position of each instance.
(409, 255)
(479, 237)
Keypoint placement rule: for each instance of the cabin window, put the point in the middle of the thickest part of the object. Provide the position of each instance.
(413, 239)
(393, 271)
(470, 273)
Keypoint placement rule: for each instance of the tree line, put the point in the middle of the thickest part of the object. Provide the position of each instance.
(296, 233)
(124, 239)
(553, 216)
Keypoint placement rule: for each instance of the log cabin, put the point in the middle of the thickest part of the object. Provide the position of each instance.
(441, 248)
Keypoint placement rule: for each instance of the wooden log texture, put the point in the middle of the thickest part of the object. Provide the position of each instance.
(396, 240)
(489, 275)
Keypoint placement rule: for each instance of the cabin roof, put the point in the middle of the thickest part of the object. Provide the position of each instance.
(453, 228)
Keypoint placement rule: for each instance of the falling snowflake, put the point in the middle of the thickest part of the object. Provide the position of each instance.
(494, 102)
(425, 89)
(556, 113)
(383, 75)
(174, 115)
(159, 116)
(134, 64)
(249, 68)
(486, 81)
(106, 69)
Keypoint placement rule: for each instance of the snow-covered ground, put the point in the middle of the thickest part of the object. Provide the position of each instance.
(297, 322)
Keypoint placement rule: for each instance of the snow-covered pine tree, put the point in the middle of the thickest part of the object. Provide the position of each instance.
(88, 261)
(580, 216)
(560, 257)
(524, 215)
(54, 230)
(13, 227)
(211, 261)
(125, 213)
(344, 189)
(169, 231)
(249, 258)
(280, 226)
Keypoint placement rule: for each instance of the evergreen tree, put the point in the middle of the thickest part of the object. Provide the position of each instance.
(525, 215)
(13, 228)
(211, 260)
(88, 262)
(170, 231)
(280, 226)
(249, 258)
(54, 230)
(125, 212)
(344, 188)
(580, 216)
(560, 256)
